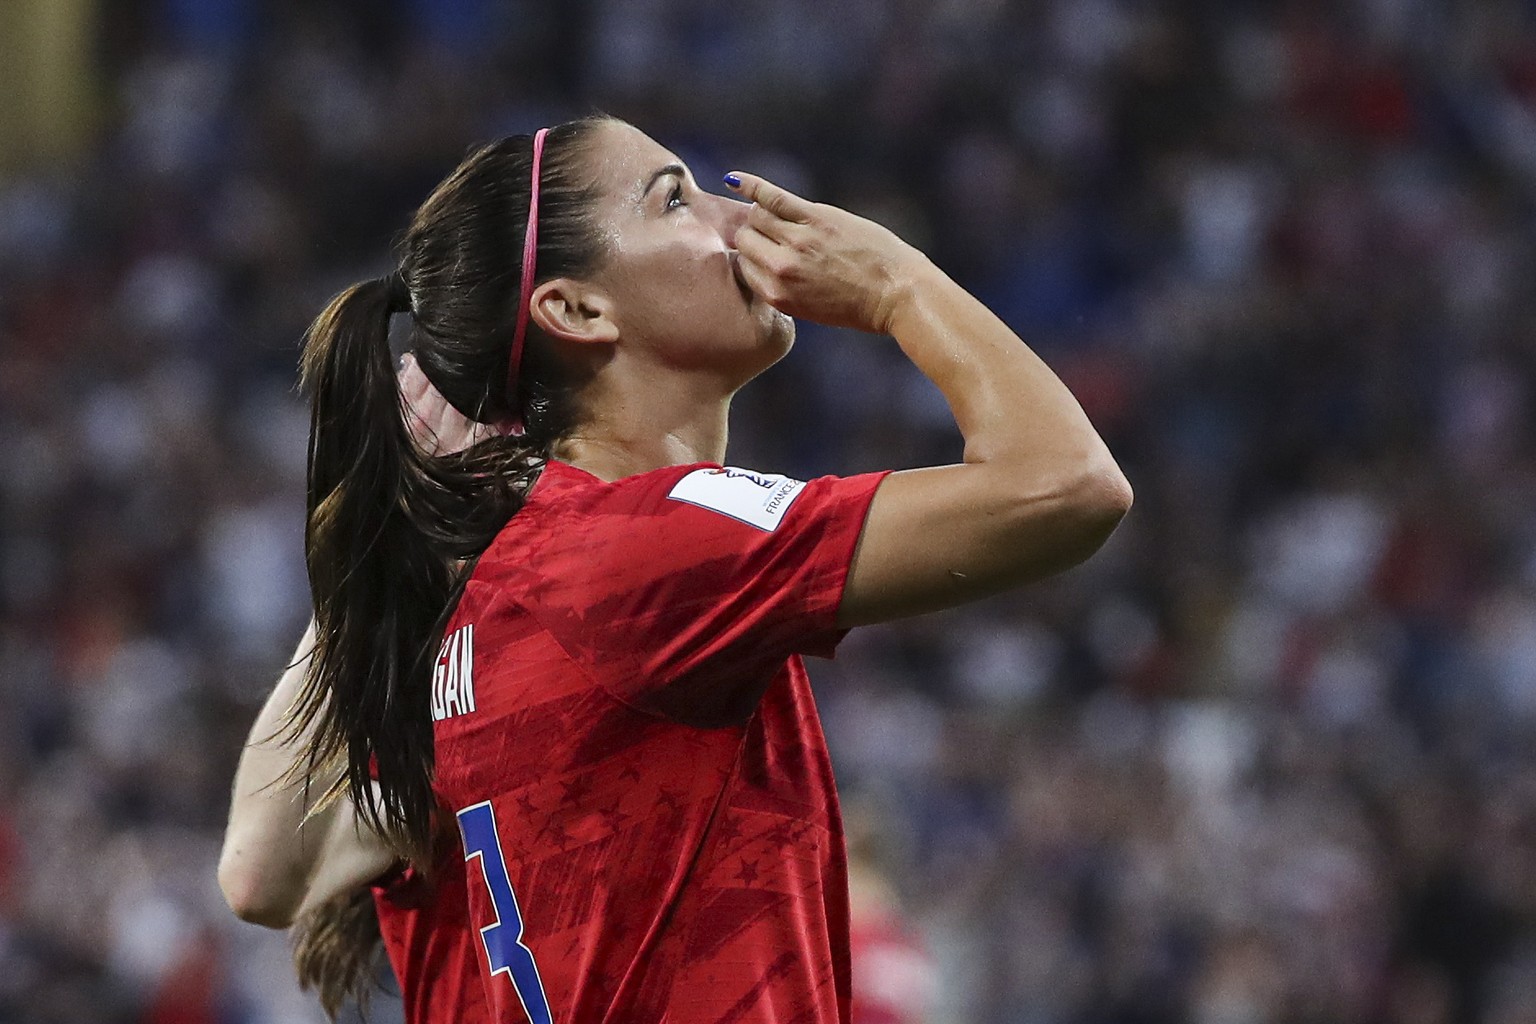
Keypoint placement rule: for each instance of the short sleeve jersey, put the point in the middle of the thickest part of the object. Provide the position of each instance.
(626, 737)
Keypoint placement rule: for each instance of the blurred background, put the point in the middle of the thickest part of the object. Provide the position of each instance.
(1268, 758)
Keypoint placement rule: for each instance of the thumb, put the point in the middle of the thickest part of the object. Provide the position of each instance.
(780, 202)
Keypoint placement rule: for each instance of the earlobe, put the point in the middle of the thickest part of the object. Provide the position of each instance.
(573, 311)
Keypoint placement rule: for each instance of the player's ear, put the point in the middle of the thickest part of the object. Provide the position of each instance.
(575, 311)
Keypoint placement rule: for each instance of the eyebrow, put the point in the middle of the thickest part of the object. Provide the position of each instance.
(671, 169)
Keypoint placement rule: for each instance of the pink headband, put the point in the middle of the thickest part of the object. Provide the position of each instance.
(525, 292)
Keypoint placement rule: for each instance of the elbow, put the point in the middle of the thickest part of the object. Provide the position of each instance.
(1099, 498)
(252, 896)
(1087, 504)
(1106, 497)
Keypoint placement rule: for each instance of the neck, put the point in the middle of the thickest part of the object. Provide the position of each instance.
(647, 421)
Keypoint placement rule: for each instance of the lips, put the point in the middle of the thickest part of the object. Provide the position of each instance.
(734, 258)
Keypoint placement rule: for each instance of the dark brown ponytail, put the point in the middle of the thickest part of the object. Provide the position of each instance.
(391, 531)
(336, 951)
(377, 580)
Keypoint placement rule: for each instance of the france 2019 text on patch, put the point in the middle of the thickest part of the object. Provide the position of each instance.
(757, 499)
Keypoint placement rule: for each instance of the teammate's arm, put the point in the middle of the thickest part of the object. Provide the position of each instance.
(280, 861)
(1038, 490)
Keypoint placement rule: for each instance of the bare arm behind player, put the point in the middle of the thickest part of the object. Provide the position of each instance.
(279, 859)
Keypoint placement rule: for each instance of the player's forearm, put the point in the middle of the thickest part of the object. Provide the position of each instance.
(270, 849)
(1010, 407)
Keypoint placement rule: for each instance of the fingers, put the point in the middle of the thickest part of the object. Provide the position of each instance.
(413, 383)
(758, 248)
(776, 200)
(426, 410)
(436, 427)
(784, 232)
(764, 264)
(414, 392)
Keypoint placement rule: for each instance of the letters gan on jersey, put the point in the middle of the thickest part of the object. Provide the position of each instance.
(453, 679)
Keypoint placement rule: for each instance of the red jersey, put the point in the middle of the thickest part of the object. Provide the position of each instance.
(430, 943)
(626, 737)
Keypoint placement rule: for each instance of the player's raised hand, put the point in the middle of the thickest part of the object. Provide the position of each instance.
(436, 427)
(820, 262)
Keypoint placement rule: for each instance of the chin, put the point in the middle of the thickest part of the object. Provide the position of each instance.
(780, 332)
(775, 337)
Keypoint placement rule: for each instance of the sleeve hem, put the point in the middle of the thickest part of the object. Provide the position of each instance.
(840, 545)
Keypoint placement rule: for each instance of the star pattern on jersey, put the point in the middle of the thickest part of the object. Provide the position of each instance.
(577, 789)
(613, 817)
(749, 872)
(557, 833)
(631, 772)
(527, 806)
(621, 924)
(514, 846)
(785, 833)
(728, 830)
(670, 798)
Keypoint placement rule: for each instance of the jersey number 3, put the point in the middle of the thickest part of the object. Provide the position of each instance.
(503, 938)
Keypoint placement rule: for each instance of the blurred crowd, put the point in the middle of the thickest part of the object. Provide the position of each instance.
(1267, 759)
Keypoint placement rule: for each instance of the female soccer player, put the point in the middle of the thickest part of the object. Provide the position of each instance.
(560, 672)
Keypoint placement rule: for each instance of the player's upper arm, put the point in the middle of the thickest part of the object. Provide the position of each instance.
(939, 537)
(353, 856)
(272, 879)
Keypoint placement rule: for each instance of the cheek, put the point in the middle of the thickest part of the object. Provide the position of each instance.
(687, 290)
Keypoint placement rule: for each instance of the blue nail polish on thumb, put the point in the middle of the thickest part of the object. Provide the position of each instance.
(733, 180)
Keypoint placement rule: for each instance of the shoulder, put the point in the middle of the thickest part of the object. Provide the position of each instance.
(575, 524)
(573, 519)
(747, 496)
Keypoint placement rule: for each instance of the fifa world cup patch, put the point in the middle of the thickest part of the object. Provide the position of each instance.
(757, 499)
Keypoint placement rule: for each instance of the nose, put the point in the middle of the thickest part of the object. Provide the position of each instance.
(727, 215)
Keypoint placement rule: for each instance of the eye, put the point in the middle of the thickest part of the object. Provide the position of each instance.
(675, 197)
